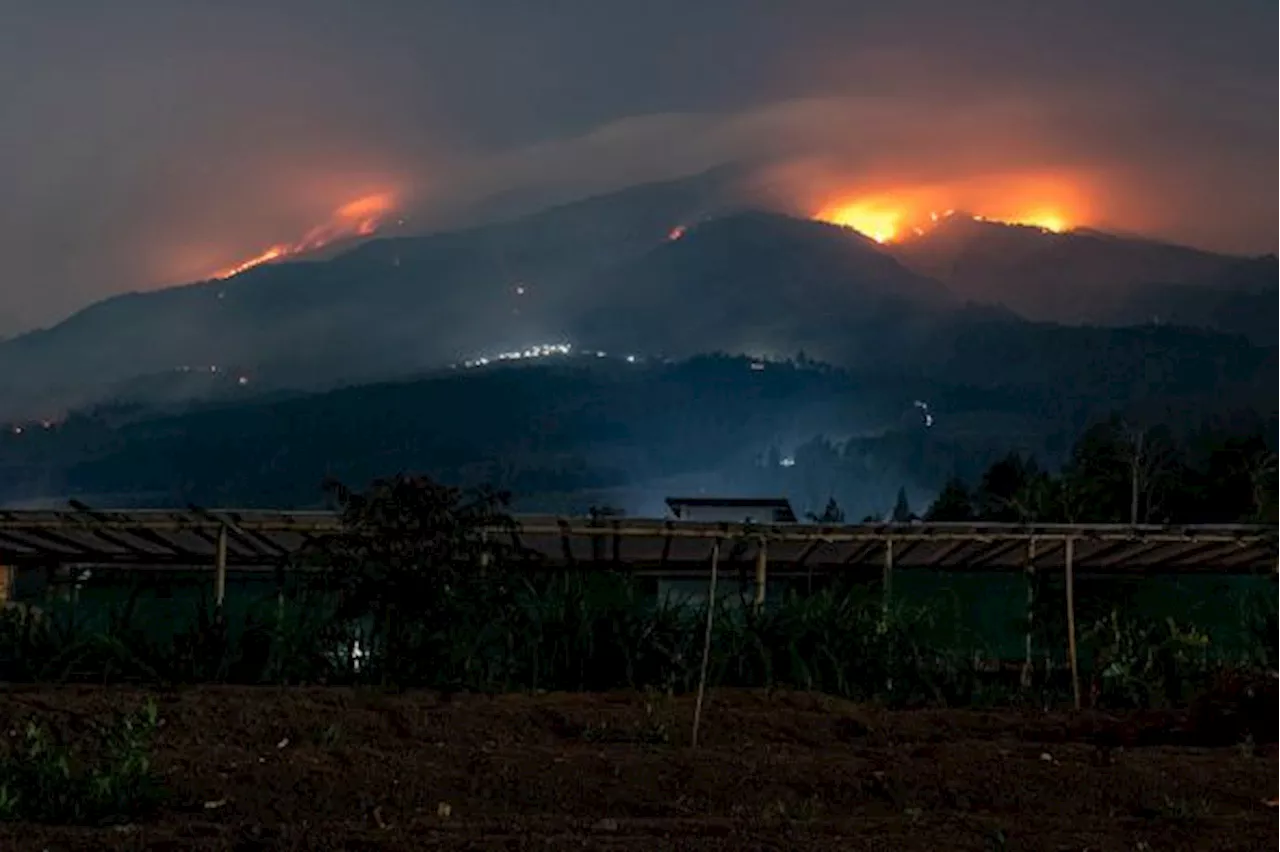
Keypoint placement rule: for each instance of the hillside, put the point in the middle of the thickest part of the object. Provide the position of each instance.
(387, 306)
(756, 283)
(1078, 276)
(589, 427)
(1241, 299)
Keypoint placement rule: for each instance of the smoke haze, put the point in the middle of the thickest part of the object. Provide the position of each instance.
(147, 143)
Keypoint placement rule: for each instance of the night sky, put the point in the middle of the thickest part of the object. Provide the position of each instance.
(150, 142)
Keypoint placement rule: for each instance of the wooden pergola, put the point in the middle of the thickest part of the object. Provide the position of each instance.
(266, 540)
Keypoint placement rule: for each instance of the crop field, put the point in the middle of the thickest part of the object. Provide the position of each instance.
(341, 769)
(418, 688)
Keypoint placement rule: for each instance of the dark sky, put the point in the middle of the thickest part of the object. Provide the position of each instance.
(149, 142)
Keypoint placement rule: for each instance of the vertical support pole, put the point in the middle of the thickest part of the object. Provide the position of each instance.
(706, 644)
(1071, 621)
(281, 579)
(887, 578)
(1028, 668)
(6, 583)
(220, 571)
(762, 573)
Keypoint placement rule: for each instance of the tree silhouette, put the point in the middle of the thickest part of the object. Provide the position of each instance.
(902, 509)
(954, 503)
(831, 513)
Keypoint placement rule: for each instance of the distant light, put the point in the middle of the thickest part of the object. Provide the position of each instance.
(17, 430)
(677, 232)
(787, 461)
(925, 412)
(519, 289)
(757, 365)
(631, 359)
(243, 380)
(600, 354)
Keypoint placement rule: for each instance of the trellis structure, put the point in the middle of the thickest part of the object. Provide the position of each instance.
(260, 540)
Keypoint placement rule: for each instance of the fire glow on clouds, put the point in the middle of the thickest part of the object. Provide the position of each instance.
(884, 213)
(1050, 202)
(359, 218)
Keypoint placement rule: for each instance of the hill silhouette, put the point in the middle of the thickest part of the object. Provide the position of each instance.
(1082, 276)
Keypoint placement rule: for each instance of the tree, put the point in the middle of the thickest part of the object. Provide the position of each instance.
(1003, 491)
(831, 514)
(410, 551)
(902, 509)
(1124, 473)
(953, 503)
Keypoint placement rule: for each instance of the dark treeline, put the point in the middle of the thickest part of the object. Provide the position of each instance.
(1121, 473)
(569, 427)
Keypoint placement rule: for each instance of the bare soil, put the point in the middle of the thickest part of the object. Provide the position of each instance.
(337, 769)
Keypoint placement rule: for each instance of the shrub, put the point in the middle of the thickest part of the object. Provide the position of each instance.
(45, 778)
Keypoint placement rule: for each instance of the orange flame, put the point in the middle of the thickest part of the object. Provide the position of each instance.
(359, 218)
(1051, 203)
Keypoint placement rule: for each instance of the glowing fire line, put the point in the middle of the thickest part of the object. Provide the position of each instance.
(359, 218)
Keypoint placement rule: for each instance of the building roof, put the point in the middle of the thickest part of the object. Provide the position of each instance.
(778, 504)
(262, 539)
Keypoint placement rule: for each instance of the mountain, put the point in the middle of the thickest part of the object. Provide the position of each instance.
(1241, 299)
(388, 305)
(673, 269)
(580, 272)
(758, 283)
(1076, 277)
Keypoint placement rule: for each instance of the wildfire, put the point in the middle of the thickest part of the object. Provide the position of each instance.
(1051, 202)
(359, 218)
(875, 219)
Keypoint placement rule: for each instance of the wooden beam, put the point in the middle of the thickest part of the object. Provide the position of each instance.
(887, 579)
(220, 572)
(1028, 669)
(706, 644)
(1071, 621)
(762, 568)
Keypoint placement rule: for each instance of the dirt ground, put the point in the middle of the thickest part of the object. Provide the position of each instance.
(334, 769)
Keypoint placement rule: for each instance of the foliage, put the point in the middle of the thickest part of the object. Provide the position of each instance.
(831, 513)
(46, 778)
(1147, 665)
(953, 504)
(1121, 473)
(413, 560)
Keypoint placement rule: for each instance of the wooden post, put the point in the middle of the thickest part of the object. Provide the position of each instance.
(887, 579)
(762, 573)
(706, 643)
(6, 583)
(1027, 667)
(220, 571)
(1071, 621)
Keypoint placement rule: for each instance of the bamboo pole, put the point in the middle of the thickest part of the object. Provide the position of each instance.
(220, 571)
(706, 644)
(762, 573)
(1028, 667)
(1071, 621)
(887, 577)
